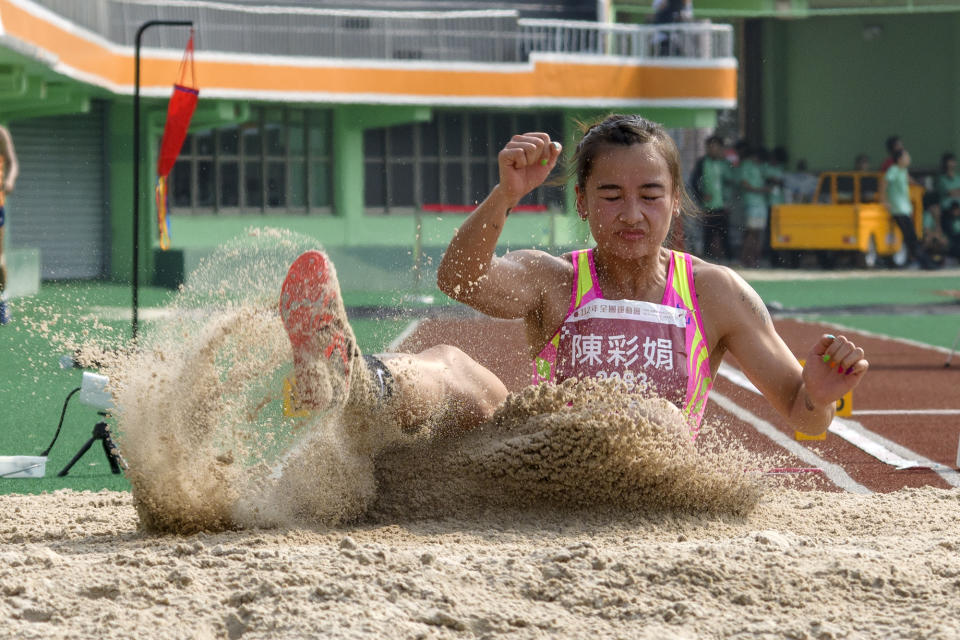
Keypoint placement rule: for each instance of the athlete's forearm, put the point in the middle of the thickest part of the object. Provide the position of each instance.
(807, 417)
(471, 250)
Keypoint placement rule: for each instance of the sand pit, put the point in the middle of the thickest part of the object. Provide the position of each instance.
(801, 565)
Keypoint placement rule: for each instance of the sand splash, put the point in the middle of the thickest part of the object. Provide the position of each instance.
(200, 423)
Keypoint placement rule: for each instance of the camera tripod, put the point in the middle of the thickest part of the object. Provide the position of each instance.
(101, 432)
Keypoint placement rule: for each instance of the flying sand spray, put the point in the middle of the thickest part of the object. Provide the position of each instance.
(202, 428)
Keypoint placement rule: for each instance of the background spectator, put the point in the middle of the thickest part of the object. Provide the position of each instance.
(861, 162)
(754, 187)
(895, 191)
(735, 196)
(774, 170)
(894, 144)
(709, 184)
(9, 169)
(799, 185)
(948, 182)
(950, 221)
(935, 242)
(670, 43)
(948, 191)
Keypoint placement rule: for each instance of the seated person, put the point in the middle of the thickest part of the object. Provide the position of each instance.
(934, 242)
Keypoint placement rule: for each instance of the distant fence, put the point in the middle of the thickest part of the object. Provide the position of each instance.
(451, 36)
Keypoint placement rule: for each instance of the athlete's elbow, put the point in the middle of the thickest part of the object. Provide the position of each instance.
(451, 282)
(458, 282)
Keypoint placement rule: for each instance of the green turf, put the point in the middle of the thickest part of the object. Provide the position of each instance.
(938, 330)
(884, 288)
(33, 387)
(881, 288)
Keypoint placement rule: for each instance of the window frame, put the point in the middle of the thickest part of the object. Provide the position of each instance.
(304, 161)
(550, 196)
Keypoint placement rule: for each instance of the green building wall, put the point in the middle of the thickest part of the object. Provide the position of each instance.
(836, 86)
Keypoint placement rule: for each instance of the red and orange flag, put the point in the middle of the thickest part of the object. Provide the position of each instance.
(180, 110)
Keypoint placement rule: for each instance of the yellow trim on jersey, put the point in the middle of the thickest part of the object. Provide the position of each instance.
(584, 277)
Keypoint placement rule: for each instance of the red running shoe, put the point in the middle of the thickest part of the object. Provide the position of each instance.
(324, 347)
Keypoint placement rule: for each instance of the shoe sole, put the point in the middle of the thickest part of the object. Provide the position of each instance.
(316, 325)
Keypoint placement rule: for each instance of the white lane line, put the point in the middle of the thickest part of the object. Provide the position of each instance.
(406, 333)
(834, 472)
(898, 456)
(881, 448)
(907, 412)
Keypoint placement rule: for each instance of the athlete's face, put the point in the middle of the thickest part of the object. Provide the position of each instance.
(629, 200)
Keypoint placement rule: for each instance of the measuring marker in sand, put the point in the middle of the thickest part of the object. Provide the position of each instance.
(292, 407)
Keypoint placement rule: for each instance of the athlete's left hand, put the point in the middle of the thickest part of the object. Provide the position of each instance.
(834, 366)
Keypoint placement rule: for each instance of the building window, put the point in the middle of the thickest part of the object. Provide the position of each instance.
(277, 162)
(449, 163)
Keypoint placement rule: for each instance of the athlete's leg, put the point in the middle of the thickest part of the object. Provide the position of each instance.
(4, 309)
(3, 265)
(441, 386)
(325, 353)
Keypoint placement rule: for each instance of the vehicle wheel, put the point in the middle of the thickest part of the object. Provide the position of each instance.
(869, 258)
(786, 259)
(901, 257)
(827, 259)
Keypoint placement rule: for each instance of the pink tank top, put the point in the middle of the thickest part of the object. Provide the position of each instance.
(661, 345)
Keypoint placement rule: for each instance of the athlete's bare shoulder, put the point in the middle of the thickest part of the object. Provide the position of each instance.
(539, 268)
(538, 258)
(549, 278)
(726, 300)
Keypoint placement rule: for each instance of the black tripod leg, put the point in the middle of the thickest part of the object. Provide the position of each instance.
(83, 450)
(109, 448)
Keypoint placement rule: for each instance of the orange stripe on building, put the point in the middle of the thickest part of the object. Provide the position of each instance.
(543, 79)
(75, 51)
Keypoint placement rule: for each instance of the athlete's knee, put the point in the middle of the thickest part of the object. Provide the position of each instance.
(448, 356)
(467, 381)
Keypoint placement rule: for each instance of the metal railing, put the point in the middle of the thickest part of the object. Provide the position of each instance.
(449, 36)
(683, 40)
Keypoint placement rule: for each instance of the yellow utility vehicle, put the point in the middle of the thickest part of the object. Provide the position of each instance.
(846, 218)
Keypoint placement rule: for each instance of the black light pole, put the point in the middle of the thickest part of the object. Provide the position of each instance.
(136, 158)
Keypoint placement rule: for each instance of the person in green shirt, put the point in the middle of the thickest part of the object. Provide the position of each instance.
(950, 221)
(895, 191)
(773, 172)
(755, 190)
(948, 190)
(934, 241)
(948, 182)
(709, 181)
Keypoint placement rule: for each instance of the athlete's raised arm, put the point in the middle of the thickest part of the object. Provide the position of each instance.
(510, 286)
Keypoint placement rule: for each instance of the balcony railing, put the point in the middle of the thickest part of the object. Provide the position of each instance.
(450, 36)
(698, 40)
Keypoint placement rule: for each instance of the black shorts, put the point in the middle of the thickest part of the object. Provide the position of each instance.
(381, 376)
(3, 216)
